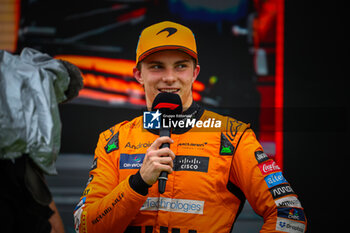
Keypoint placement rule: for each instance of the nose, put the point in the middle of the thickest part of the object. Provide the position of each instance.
(169, 76)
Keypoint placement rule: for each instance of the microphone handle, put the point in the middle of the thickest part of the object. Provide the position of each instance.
(163, 177)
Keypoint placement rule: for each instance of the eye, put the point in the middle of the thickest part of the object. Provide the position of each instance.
(156, 67)
(181, 66)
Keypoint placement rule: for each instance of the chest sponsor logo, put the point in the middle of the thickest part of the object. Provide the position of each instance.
(287, 225)
(281, 191)
(275, 179)
(173, 205)
(191, 163)
(131, 161)
(289, 201)
(138, 146)
(261, 156)
(192, 146)
(268, 167)
(291, 213)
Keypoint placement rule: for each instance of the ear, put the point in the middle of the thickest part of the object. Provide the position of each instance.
(137, 75)
(196, 70)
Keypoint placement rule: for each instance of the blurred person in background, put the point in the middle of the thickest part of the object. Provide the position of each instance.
(32, 85)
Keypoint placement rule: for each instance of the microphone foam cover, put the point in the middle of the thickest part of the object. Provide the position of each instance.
(168, 103)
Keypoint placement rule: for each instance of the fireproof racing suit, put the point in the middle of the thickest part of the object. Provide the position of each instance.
(216, 169)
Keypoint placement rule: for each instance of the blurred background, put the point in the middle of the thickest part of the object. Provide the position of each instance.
(271, 63)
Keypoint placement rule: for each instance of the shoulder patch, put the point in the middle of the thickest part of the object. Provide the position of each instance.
(261, 156)
(108, 133)
(226, 147)
(113, 143)
(232, 128)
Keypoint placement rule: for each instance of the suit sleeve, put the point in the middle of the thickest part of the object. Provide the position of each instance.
(265, 188)
(106, 205)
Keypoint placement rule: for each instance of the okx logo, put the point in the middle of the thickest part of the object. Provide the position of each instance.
(151, 120)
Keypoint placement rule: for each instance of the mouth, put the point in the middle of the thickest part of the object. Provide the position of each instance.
(169, 90)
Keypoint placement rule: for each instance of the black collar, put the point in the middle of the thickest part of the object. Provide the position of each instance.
(195, 111)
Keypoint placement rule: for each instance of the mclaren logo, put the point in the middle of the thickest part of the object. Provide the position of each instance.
(170, 30)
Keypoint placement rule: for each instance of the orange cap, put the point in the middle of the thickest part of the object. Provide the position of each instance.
(164, 36)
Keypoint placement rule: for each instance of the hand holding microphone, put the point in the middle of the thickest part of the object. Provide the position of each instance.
(159, 158)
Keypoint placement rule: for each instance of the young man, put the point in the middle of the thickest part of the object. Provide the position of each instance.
(211, 172)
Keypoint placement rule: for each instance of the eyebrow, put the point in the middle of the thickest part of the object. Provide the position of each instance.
(160, 63)
(182, 61)
(154, 62)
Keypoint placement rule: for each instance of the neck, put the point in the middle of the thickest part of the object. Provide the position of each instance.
(187, 106)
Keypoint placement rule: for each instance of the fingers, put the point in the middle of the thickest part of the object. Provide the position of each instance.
(159, 141)
(163, 156)
(157, 160)
(153, 165)
(165, 168)
(168, 161)
(154, 150)
(165, 152)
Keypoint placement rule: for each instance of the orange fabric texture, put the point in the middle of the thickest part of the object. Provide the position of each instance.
(213, 173)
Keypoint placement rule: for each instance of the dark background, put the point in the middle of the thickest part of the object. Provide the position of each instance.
(316, 115)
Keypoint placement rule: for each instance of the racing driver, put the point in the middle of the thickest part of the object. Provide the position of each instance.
(212, 172)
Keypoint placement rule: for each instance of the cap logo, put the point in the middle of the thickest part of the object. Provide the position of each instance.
(170, 30)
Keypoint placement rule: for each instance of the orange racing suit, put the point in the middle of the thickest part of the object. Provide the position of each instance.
(215, 171)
